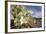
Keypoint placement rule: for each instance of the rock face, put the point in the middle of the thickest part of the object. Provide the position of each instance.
(38, 23)
(21, 18)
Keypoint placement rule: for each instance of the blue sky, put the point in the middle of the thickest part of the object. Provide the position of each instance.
(37, 11)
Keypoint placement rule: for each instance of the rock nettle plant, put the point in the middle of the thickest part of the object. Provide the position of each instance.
(21, 17)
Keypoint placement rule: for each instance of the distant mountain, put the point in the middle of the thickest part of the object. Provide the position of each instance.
(34, 16)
